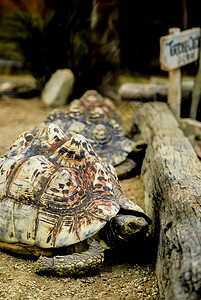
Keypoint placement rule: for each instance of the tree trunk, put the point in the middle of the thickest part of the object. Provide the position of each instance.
(171, 173)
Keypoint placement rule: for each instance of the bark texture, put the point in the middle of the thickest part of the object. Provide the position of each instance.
(171, 173)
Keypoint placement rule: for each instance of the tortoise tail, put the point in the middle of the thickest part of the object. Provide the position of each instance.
(75, 264)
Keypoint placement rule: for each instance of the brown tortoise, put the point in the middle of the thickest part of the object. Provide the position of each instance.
(57, 197)
(99, 121)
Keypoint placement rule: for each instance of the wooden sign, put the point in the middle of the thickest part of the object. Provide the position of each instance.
(177, 50)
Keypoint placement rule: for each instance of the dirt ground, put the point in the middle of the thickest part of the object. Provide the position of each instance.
(125, 275)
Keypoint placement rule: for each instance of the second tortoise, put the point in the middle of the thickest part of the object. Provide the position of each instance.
(98, 120)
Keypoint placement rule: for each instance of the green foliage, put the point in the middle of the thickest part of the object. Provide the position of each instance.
(58, 37)
(23, 37)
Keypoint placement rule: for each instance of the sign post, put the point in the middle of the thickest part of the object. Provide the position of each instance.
(174, 89)
(176, 50)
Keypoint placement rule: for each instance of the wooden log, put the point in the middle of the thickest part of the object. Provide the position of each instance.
(151, 92)
(171, 174)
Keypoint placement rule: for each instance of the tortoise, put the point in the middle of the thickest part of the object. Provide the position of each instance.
(60, 202)
(99, 121)
(84, 110)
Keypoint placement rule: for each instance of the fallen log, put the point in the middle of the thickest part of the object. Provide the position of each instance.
(150, 92)
(171, 174)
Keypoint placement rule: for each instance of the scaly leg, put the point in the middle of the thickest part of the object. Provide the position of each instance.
(74, 264)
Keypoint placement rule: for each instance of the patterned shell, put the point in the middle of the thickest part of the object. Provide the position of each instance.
(55, 190)
(98, 120)
(91, 100)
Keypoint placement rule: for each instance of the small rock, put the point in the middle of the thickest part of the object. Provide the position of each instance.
(125, 168)
(58, 89)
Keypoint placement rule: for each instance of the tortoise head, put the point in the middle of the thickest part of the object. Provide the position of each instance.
(124, 228)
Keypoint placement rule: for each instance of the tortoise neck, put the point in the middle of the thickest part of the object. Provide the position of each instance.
(108, 235)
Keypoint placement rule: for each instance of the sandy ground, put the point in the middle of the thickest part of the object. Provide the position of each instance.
(126, 274)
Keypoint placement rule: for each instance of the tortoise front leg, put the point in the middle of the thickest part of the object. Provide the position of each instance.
(74, 264)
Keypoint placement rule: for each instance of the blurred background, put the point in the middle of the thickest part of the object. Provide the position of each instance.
(97, 40)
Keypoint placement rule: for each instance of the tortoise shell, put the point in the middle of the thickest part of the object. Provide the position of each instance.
(56, 191)
(91, 100)
(98, 120)
(82, 109)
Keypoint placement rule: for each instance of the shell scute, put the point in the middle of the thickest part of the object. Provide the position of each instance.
(12, 158)
(7, 230)
(25, 223)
